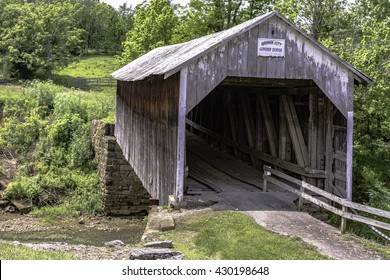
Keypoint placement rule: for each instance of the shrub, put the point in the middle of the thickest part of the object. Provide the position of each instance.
(49, 126)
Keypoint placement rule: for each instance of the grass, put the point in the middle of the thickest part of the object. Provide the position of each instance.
(12, 252)
(235, 236)
(90, 66)
(10, 92)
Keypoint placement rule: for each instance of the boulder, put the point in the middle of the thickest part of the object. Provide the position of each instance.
(10, 209)
(114, 243)
(24, 206)
(156, 254)
(166, 223)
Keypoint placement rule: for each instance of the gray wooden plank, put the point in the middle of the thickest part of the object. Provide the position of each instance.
(276, 66)
(252, 52)
(262, 61)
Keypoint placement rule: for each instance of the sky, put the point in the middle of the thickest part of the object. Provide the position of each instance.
(117, 3)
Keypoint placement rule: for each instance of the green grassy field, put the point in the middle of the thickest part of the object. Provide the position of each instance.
(12, 252)
(235, 236)
(90, 66)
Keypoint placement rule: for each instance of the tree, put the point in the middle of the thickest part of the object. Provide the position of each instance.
(101, 22)
(126, 21)
(365, 44)
(154, 25)
(317, 17)
(203, 17)
(38, 37)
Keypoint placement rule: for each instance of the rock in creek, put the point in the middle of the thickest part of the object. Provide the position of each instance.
(114, 243)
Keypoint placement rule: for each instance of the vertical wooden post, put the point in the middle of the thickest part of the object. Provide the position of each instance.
(269, 125)
(181, 135)
(349, 154)
(259, 125)
(265, 176)
(282, 131)
(300, 200)
(321, 138)
(248, 125)
(343, 226)
(329, 146)
(313, 132)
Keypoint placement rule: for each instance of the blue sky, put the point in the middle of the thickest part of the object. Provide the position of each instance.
(117, 3)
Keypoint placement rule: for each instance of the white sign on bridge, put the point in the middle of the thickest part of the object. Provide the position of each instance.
(271, 47)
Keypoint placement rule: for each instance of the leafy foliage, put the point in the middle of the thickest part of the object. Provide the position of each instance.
(49, 127)
(367, 48)
(154, 25)
(38, 36)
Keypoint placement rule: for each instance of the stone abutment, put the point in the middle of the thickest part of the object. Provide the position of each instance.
(122, 190)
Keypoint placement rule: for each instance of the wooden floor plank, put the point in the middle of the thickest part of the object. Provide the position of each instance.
(220, 170)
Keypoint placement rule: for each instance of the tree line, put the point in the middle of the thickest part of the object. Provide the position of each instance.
(43, 36)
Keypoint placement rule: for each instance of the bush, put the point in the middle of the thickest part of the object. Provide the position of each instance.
(49, 127)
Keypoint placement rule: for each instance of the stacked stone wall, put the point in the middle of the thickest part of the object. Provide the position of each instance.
(122, 190)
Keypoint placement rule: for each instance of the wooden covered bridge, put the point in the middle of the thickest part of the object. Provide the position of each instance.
(262, 91)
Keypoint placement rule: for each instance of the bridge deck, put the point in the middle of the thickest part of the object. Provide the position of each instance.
(211, 170)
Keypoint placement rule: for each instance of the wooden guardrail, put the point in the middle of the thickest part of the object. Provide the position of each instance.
(275, 176)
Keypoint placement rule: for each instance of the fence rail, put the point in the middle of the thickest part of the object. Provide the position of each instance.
(90, 82)
(275, 176)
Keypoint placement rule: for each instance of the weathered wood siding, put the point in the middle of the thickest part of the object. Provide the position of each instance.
(303, 60)
(146, 130)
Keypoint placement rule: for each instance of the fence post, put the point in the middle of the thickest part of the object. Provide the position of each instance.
(343, 226)
(266, 174)
(300, 200)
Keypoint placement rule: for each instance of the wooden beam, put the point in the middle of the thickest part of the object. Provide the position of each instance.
(248, 125)
(269, 124)
(349, 154)
(267, 82)
(282, 132)
(295, 130)
(313, 133)
(181, 135)
(321, 138)
(313, 121)
(259, 125)
(232, 121)
(329, 145)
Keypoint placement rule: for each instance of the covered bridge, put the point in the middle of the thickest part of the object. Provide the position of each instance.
(268, 93)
